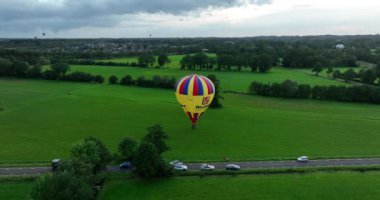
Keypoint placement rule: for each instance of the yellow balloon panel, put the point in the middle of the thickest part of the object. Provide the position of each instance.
(194, 93)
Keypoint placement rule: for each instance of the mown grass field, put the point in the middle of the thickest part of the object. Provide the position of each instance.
(232, 81)
(42, 119)
(15, 190)
(340, 185)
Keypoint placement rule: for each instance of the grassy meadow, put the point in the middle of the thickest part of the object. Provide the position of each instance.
(15, 190)
(340, 185)
(42, 119)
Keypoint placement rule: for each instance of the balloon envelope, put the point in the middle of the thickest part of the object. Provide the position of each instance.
(194, 93)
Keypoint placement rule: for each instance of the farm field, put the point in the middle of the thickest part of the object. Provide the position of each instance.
(15, 190)
(41, 120)
(232, 81)
(340, 185)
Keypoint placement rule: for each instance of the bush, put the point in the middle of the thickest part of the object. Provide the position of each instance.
(113, 79)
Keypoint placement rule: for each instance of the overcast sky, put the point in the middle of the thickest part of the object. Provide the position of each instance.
(186, 18)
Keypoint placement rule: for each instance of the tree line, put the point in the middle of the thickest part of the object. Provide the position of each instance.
(367, 76)
(291, 89)
(230, 61)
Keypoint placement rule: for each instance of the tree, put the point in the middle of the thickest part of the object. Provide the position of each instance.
(156, 81)
(215, 102)
(91, 151)
(317, 68)
(303, 91)
(329, 72)
(34, 71)
(127, 148)
(98, 79)
(5, 67)
(349, 75)
(162, 60)
(113, 79)
(368, 76)
(377, 70)
(20, 68)
(126, 80)
(149, 162)
(264, 62)
(146, 60)
(156, 135)
(62, 186)
(60, 69)
(289, 88)
(336, 74)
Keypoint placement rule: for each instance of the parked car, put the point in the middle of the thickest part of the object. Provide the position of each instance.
(175, 162)
(232, 167)
(207, 167)
(125, 165)
(179, 167)
(302, 159)
(55, 164)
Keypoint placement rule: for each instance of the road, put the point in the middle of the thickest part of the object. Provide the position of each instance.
(244, 165)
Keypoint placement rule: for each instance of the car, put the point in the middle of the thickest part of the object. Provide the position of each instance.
(302, 159)
(175, 162)
(207, 167)
(232, 167)
(55, 164)
(179, 167)
(125, 165)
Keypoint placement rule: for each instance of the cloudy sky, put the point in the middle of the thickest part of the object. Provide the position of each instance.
(186, 18)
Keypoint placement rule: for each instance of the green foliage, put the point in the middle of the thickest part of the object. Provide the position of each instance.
(60, 69)
(113, 79)
(127, 148)
(157, 136)
(317, 68)
(162, 60)
(148, 162)
(98, 79)
(368, 76)
(126, 80)
(92, 152)
(146, 60)
(215, 102)
(61, 186)
(349, 75)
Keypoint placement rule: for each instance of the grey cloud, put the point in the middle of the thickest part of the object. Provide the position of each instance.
(22, 11)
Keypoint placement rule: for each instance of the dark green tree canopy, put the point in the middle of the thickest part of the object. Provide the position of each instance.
(157, 136)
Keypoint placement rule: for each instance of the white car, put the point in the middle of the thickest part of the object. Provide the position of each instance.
(175, 163)
(232, 167)
(180, 167)
(302, 159)
(207, 167)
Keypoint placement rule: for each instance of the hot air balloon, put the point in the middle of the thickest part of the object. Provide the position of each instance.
(194, 93)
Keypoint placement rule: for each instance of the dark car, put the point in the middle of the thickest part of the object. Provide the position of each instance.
(126, 165)
(232, 167)
(55, 164)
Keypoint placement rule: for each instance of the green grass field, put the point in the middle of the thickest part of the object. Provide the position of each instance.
(340, 185)
(174, 60)
(15, 190)
(42, 119)
(235, 81)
